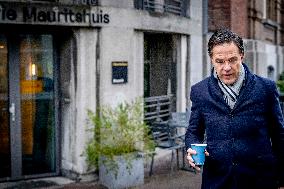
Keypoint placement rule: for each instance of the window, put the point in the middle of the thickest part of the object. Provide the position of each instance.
(46, 0)
(270, 72)
(271, 10)
(86, 2)
(76, 2)
(178, 7)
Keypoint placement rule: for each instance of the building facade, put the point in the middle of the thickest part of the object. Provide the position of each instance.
(60, 58)
(260, 23)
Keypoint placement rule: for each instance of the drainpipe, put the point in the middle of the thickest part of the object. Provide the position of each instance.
(98, 79)
(204, 36)
(98, 70)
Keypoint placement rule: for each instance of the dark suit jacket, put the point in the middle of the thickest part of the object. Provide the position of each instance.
(246, 144)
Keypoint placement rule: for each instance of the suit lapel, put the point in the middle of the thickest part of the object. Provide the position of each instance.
(246, 90)
(217, 94)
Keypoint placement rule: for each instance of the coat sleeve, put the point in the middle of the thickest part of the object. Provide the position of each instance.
(195, 130)
(277, 133)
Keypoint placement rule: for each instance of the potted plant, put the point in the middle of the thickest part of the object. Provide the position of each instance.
(121, 137)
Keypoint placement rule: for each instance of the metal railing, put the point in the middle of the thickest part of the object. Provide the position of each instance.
(157, 108)
(177, 7)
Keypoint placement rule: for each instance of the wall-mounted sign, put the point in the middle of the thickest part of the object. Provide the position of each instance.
(51, 14)
(119, 72)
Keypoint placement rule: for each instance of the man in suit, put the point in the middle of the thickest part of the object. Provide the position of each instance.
(240, 115)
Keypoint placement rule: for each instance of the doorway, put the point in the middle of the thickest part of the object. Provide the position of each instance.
(160, 66)
(28, 105)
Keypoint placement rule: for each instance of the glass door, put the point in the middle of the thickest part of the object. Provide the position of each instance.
(28, 145)
(5, 164)
(37, 103)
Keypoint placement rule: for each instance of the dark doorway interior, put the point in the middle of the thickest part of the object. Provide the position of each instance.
(159, 65)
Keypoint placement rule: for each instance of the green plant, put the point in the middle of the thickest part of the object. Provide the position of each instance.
(280, 83)
(118, 131)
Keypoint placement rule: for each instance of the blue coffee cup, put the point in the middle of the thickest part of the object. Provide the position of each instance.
(199, 157)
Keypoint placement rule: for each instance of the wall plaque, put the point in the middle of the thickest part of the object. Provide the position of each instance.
(119, 72)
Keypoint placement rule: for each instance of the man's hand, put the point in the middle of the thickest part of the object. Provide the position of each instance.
(191, 152)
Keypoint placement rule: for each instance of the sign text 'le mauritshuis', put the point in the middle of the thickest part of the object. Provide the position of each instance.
(52, 15)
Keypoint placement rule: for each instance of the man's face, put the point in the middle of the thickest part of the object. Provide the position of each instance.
(227, 60)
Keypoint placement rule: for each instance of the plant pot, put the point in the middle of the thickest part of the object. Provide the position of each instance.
(124, 175)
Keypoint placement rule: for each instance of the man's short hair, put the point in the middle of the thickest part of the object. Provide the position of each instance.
(224, 35)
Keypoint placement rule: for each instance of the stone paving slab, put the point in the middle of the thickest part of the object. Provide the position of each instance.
(162, 178)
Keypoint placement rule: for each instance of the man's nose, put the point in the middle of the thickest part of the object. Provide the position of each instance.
(227, 67)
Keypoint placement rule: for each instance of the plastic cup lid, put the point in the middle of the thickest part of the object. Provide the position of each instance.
(199, 144)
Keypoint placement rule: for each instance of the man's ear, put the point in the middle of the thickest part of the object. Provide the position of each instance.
(242, 57)
(211, 60)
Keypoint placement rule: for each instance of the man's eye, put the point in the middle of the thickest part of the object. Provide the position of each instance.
(233, 60)
(219, 61)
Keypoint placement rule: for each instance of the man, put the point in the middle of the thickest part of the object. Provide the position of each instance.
(242, 119)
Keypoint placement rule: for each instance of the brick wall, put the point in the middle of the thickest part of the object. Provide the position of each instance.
(282, 25)
(239, 17)
(230, 14)
(219, 14)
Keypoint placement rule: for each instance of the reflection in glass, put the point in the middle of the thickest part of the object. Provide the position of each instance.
(37, 104)
(5, 164)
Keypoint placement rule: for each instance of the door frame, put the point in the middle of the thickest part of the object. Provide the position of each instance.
(14, 102)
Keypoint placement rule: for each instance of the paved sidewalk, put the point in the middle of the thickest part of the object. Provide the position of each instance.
(178, 180)
(161, 178)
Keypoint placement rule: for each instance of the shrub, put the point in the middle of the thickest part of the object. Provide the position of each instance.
(118, 131)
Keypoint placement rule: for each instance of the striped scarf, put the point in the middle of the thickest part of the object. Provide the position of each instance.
(231, 92)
